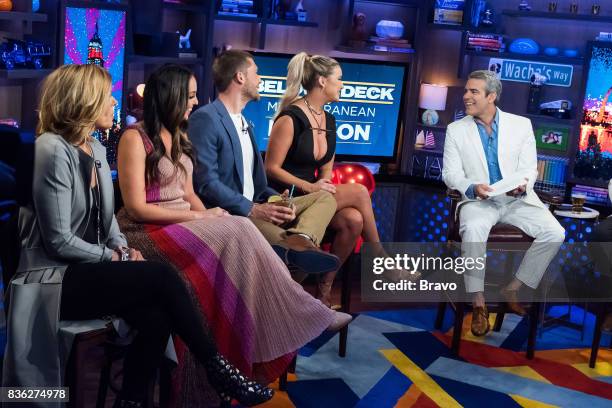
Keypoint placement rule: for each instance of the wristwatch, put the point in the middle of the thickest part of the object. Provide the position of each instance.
(124, 252)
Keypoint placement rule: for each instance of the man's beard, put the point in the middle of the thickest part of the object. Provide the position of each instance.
(251, 95)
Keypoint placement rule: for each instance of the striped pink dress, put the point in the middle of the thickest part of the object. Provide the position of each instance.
(258, 315)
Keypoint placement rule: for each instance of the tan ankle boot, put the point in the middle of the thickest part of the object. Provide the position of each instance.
(324, 288)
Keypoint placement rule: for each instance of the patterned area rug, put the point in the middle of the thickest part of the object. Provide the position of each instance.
(396, 359)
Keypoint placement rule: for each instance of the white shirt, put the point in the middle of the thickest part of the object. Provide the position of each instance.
(248, 189)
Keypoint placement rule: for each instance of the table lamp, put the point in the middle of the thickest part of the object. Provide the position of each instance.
(432, 98)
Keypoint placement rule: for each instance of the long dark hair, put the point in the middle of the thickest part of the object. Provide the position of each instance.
(164, 103)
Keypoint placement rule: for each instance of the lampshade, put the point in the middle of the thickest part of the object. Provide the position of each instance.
(433, 97)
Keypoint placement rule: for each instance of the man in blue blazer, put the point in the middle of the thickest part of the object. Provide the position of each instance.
(230, 172)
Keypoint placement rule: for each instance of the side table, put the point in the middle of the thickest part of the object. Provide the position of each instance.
(578, 229)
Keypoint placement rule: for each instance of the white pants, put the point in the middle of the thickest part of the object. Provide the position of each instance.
(476, 219)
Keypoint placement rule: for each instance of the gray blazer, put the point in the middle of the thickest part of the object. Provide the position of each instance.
(51, 233)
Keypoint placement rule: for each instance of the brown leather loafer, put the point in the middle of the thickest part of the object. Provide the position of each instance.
(299, 251)
(480, 321)
(511, 299)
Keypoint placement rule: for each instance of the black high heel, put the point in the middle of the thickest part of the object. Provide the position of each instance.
(230, 383)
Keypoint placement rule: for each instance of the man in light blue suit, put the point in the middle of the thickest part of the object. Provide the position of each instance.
(230, 172)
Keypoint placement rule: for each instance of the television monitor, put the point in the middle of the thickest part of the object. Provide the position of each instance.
(593, 161)
(368, 115)
(95, 33)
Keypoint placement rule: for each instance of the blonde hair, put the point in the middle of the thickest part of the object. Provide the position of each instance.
(72, 99)
(304, 70)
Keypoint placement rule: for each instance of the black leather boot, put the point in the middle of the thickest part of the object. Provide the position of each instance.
(230, 384)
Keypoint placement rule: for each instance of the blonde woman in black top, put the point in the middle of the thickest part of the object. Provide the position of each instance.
(301, 152)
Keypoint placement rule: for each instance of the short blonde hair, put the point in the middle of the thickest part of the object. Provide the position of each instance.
(72, 99)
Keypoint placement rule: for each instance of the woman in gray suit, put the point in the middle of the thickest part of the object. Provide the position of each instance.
(69, 265)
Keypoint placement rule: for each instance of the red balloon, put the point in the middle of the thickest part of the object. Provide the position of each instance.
(344, 173)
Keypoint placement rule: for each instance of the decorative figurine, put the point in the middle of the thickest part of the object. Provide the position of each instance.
(359, 34)
(430, 140)
(184, 42)
(535, 93)
(420, 139)
(477, 9)
(524, 6)
(595, 9)
(488, 18)
(574, 7)
(389, 29)
(302, 14)
(25, 54)
(430, 117)
(524, 46)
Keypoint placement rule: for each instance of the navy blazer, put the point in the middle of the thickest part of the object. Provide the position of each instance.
(218, 177)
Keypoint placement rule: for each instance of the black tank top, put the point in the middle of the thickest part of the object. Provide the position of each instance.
(300, 160)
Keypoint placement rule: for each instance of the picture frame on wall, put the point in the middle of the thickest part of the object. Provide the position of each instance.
(552, 137)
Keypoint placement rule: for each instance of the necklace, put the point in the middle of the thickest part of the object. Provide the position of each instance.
(311, 109)
(314, 115)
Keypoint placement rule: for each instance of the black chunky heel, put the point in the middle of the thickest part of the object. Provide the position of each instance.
(230, 383)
